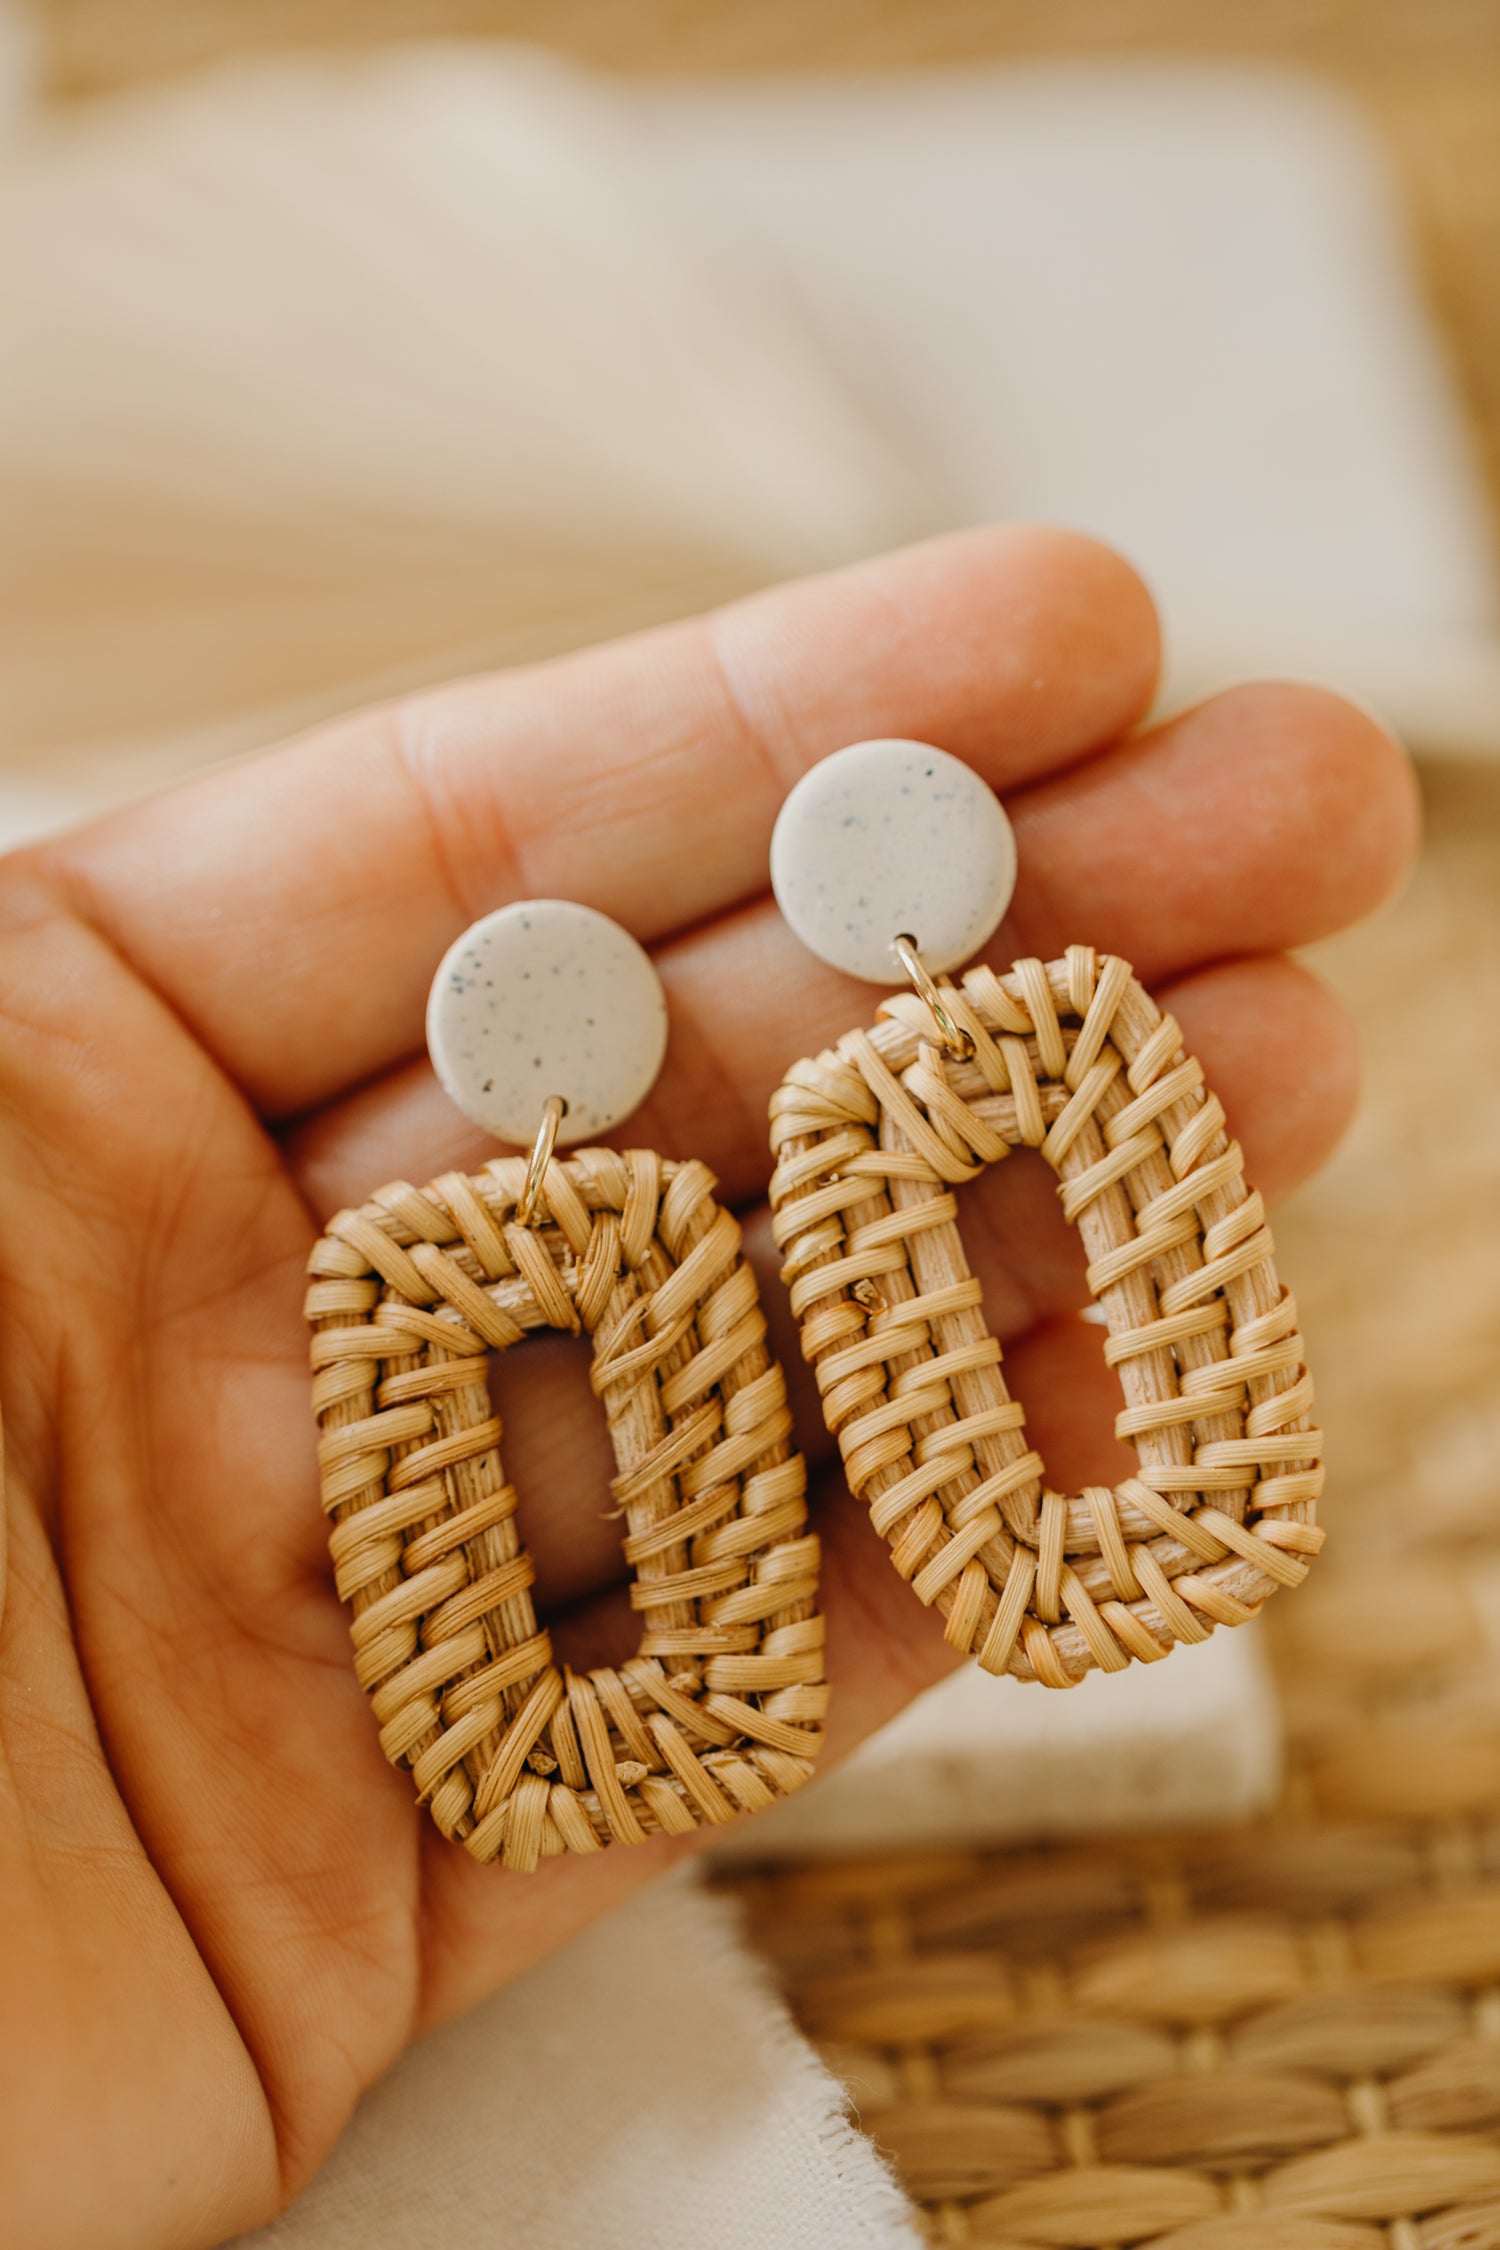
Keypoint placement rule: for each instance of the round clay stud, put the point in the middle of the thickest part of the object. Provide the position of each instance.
(546, 997)
(886, 839)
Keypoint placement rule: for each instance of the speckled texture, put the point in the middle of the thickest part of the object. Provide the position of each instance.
(886, 837)
(546, 997)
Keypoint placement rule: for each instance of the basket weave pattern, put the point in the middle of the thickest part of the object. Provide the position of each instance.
(720, 1711)
(1268, 2041)
(1074, 1059)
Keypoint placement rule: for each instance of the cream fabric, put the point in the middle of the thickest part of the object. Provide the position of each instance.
(645, 2090)
(1172, 304)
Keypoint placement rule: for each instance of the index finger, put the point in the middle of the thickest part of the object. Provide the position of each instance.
(292, 909)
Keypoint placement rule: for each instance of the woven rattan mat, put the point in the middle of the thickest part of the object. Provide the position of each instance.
(1289, 2034)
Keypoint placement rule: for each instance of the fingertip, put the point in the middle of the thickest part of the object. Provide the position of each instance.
(1059, 618)
(1375, 770)
(1019, 647)
(1269, 816)
(1292, 1110)
(1106, 609)
(1352, 784)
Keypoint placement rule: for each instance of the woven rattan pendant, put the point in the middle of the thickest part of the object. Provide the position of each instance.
(547, 1019)
(1071, 1058)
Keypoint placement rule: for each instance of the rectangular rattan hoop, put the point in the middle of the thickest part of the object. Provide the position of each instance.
(720, 1711)
(1074, 1059)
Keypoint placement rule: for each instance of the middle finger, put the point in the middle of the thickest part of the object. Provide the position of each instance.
(1265, 818)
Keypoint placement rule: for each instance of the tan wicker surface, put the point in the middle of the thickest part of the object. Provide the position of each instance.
(1289, 2035)
(720, 1710)
(1072, 1058)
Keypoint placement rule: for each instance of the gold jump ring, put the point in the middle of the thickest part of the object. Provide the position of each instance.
(554, 1110)
(955, 1038)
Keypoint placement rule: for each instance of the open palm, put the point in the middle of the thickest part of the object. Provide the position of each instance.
(224, 1915)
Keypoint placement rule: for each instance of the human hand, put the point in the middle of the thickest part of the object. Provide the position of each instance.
(224, 1914)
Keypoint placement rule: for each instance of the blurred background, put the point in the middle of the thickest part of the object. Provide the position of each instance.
(351, 343)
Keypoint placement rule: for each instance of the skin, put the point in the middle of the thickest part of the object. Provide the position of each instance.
(224, 1915)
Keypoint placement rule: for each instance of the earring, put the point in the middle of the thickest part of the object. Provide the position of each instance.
(897, 850)
(547, 1024)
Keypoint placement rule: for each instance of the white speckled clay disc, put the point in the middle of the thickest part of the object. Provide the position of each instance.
(887, 838)
(541, 998)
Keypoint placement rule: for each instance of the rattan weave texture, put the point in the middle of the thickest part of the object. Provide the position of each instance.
(1074, 1059)
(1240, 2041)
(720, 1710)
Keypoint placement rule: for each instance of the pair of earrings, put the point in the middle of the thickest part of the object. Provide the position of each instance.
(547, 1025)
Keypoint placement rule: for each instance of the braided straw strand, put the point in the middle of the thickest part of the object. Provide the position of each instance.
(872, 1137)
(721, 1709)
